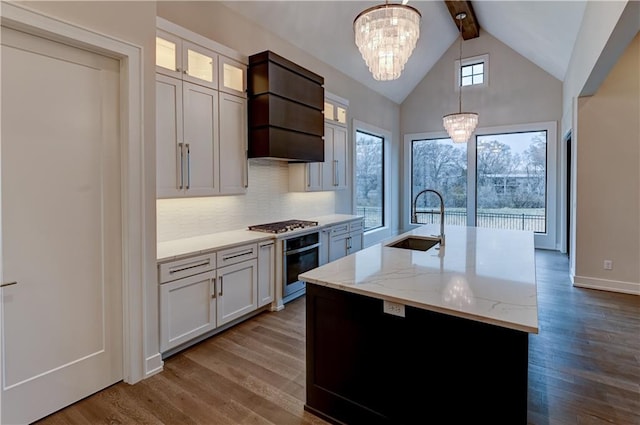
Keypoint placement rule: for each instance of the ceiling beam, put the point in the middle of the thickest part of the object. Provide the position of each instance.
(470, 26)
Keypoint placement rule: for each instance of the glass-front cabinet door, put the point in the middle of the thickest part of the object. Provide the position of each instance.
(200, 65)
(233, 76)
(335, 112)
(168, 54)
(187, 61)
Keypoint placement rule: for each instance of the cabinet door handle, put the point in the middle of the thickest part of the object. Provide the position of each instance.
(8, 284)
(212, 281)
(181, 186)
(308, 175)
(246, 168)
(189, 266)
(221, 287)
(240, 254)
(188, 147)
(336, 174)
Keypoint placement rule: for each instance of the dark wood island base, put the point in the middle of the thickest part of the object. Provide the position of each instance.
(365, 366)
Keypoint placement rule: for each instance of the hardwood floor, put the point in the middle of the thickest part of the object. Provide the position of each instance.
(584, 367)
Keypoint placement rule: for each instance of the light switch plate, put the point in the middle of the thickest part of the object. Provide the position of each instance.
(395, 309)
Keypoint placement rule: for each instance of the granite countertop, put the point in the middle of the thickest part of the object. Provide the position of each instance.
(487, 275)
(179, 248)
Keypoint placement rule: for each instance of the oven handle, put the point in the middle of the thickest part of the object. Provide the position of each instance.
(303, 249)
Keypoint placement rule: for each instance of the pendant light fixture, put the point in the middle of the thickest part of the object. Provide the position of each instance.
(386, 36)
(459, 126)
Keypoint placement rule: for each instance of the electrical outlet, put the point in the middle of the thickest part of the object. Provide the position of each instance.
(608, 265)
(393, 308)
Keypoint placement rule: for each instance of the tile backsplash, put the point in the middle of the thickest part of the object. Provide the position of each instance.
(267, 199)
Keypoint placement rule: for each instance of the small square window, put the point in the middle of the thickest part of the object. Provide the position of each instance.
(472, 71)
(472, 74)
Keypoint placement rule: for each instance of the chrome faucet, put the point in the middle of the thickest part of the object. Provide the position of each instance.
(414, 215)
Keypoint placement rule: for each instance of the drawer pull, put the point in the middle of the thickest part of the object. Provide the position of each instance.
(229, 257)
(189, 266)
(267, 244)
(8, 284)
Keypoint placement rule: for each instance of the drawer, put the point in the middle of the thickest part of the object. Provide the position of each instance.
(340, 229)
(356, 226)
(186, 267)
(237, 254)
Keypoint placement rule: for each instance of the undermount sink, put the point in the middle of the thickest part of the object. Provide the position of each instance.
(417, 243)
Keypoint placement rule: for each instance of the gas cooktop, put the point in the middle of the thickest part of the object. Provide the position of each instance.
(283, 226)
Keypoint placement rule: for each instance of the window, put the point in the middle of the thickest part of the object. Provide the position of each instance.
(439, 164)
(511, 180)
(370, 179)
(472, 72)
(504, 177)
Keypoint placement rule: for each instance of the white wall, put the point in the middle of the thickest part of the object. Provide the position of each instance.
(223, 25)
(519, 92)
(599, 21)
(608, 179)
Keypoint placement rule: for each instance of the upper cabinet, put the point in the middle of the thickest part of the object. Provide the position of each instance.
(180, 58)
(331, 174)
(201, 116)
(335, 110)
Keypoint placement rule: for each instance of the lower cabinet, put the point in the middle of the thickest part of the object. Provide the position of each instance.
(187, 309)
(266, 272)
(345, 239)
(201, 293)
(237, 290)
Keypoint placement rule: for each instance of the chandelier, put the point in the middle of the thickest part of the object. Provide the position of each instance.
(460, 126)
(386, 36)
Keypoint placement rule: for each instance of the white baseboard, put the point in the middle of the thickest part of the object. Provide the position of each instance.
(154, 365)
(606, 285)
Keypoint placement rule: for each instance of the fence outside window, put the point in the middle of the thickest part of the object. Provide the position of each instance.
(532, 222)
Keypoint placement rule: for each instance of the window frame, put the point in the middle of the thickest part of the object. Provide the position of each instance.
(548, 240)
(377, 234)
(475, 60)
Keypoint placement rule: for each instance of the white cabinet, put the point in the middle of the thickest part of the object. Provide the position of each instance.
(201, 119)
(332, 173)
(237, 290)
(266, 272)
(345, 239)
(186, 139)
(335, 109)
(328, 175)
(201, 293)
(334, 167)
(233, 144)
(185, 60)
(187, 299)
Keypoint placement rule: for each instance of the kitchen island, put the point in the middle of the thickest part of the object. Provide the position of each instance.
(405, 336)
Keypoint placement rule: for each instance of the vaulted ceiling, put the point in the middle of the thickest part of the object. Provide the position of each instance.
(542, 31)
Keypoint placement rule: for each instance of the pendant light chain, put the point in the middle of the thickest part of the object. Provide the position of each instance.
(460, 17)
(460, 125)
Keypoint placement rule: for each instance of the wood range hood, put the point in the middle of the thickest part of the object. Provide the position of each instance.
(286, 104)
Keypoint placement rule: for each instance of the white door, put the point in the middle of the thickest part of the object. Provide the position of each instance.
(61, 226)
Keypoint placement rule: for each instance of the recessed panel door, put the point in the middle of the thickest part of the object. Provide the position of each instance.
(61, 226)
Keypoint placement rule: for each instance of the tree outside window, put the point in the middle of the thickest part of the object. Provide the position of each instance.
(370, 179)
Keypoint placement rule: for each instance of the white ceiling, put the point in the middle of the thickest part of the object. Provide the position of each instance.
(542, 31)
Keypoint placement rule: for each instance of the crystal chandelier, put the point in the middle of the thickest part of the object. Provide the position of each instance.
(386, 36)
(460, 126)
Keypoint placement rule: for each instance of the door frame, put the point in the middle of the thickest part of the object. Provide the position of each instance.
(133, 193)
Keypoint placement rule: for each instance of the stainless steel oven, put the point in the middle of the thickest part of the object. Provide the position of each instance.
(300, 254)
